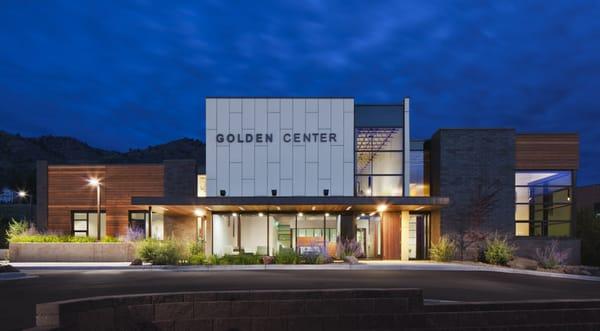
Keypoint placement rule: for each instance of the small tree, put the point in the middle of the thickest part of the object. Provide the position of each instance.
(481, 204)
(552, 256)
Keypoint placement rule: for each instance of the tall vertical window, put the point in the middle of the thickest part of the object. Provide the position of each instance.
(419, 170)
(379, 161)
(543, 203)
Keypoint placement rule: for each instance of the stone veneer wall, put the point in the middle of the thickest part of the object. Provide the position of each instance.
(182, 228)
(464, 159)
(235, 310)
(71, 252)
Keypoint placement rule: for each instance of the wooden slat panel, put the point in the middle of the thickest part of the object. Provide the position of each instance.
(547, 151)
(68, 190)
(390, 231)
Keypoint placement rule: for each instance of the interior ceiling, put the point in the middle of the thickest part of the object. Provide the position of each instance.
(372, 140)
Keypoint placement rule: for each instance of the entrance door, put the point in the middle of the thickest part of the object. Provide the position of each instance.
(418, 236)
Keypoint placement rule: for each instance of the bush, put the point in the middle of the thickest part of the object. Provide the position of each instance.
(72, 239)
(349, 247)
(551, 256)
(244, 259)
(197, 259)
(196, 248)
(16, 229)
(311, 258)
(159, 252)
(109, 239)
(135, 234)
(443, 251)
(498, 250)
(286, 256)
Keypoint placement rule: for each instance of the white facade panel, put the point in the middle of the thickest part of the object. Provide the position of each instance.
(211, 114)
(298, 146)
(273, 177)
(312, 179)
(348, 178)
(235, 179)
(260, 171)
(337, 170)
(299, 174)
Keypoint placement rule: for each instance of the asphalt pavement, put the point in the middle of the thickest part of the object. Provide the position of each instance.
(19, 297)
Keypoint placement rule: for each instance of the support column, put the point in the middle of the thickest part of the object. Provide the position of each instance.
(406, 157)
(405, 218)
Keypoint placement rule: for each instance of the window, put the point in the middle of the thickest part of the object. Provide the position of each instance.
(543, 205)
(85, 224)
(419, 171)
(379, 161)
(139, 221)
(597, 209)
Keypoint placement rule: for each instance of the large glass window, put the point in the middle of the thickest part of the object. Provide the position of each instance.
(85, 224)
(543, 203)
(282, 232)
(379, 161)
(140, 222)
(419, 168)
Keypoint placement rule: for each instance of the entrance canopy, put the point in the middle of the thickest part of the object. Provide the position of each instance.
(294, 204)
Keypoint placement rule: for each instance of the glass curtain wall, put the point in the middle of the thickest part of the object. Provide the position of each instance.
(543, 203)
(139, 223)
(379, 161)
(282, 232)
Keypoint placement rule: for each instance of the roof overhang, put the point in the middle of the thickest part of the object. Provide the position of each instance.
(186, 205)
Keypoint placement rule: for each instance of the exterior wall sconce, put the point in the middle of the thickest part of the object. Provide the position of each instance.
(222, 192)
(326, 192)
(274, 192)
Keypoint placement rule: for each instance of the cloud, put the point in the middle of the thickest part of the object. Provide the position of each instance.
(122, 75)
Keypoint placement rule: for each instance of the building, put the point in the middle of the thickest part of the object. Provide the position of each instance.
(588, 199)
(299, 173)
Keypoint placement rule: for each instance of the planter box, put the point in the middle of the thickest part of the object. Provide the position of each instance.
(71, 252)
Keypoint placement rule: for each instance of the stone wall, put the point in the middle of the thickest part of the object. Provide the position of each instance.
(182, 228)
(71, 252)
(467, 161)
(235, 310)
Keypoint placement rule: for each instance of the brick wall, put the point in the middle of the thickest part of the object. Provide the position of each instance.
(463, 160)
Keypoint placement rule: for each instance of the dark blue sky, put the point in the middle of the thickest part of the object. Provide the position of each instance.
(120, 74)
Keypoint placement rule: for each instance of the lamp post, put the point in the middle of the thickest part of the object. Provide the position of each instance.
(95, 182)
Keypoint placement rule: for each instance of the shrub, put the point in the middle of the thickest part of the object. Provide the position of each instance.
(443, 251)
(551, 256)
(159, 252)
(498, 250)
(349, 247)
(196, 248)
(286, 256)
(109, 239)
(310, 258)
(212, 260)
(73, 239)
(197, 259)
(240, 259)
(16, 228)
(135, 234)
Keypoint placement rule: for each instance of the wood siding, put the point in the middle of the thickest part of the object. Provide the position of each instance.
(390, 231)
(547, 151)
(68, 191)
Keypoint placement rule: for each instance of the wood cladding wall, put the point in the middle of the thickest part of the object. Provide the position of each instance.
(68, 191)
(390, 230)
(547, 151)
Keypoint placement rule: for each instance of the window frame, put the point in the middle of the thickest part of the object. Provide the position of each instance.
(87, 213)
(545, 223)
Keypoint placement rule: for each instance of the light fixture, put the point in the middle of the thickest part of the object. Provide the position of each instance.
(326, 214)
(199, 212)
(300, 214)
(420, 207)
(241, 208)
(234, 214)
(357, 218)
(261, 214)
(22, 194)
(278, 208)
(348, 208)
(362, 214)
(314, 208)
(372, 213)
(381, 208)
(208, 208)
(93, 181)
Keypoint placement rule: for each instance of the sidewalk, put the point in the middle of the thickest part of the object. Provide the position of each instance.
(364, 265)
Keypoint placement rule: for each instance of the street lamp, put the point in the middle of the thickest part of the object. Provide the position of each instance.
(95, 182)
(22, 194)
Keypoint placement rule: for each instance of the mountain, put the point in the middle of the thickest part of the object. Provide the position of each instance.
(18, 155)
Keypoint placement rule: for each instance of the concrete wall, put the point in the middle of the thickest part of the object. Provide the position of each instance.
(293, 168)
(467, 161)
(527, 247)
(71, 252)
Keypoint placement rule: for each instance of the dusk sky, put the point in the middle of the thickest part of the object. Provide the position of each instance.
(120, 75)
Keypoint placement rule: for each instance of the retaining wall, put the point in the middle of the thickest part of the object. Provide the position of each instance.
(71, 252)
